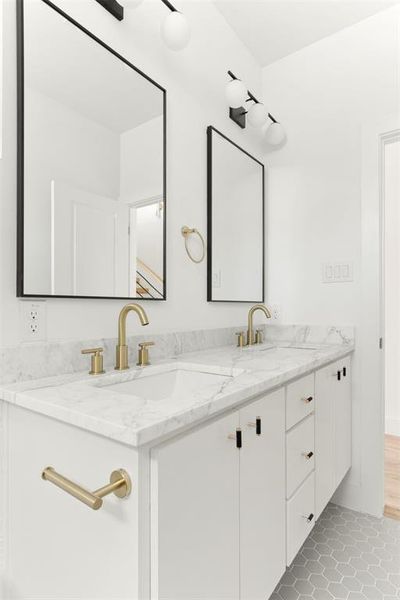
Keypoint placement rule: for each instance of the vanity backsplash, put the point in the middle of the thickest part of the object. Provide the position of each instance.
(34, 361)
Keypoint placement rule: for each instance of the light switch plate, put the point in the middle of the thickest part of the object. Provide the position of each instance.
(337, 272)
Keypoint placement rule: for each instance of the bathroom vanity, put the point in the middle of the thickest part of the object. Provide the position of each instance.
(233, 453)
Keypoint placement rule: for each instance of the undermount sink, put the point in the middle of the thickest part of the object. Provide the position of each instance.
(269, 347)
(172, 382)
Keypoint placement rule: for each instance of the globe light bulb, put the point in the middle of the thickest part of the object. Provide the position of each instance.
(175, 30)
(257, 114)
(236, 93)
(275, 134)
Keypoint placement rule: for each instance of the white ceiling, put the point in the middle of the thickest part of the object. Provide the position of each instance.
(65, 64)
(272, 29)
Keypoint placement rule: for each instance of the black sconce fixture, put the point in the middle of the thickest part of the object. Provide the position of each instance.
(239, 114)
(113, 7)
(175, 29)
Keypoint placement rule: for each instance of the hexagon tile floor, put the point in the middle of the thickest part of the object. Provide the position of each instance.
(348, 556)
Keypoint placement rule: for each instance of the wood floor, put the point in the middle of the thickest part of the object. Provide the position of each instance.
(392, 476)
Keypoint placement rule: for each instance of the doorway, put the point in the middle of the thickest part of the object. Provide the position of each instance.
(390, 186)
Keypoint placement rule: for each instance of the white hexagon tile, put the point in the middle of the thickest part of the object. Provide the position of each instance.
(348, 556)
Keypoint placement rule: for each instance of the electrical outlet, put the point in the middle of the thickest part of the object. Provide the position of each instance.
(216, 279)
(33, 321)
(275, 311)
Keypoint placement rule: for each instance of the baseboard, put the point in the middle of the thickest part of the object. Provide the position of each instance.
(348, 495)
(392, 426)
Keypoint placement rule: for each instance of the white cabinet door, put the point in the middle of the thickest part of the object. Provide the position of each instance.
(332, 429)
(325, 387)
(195, 515)
(262, 496)
(342, 422)
(59, 549)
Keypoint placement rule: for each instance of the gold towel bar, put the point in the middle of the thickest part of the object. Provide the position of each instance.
(120, 484)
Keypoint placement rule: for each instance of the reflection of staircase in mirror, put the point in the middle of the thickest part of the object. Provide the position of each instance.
(148, 283)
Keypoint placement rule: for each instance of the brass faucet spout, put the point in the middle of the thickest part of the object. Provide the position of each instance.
(122, 348)
(250, 331)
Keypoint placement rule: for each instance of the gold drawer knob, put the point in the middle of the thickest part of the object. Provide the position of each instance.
(120, 485)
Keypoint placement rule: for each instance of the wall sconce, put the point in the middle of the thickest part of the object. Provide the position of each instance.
(175, 30)
(257, 115)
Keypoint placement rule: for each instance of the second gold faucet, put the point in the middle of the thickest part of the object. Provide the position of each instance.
(251, 339)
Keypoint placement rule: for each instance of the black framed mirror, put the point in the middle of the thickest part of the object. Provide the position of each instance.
(235, 222)
(91, 165)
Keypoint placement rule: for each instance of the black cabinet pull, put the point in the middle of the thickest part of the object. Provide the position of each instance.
(238, 438)
(344, 371)
(258, 425)
(339, 375)
(310, 517)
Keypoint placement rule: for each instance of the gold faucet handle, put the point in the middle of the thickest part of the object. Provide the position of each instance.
(240, 340)
(146, 344)
(143, 354)
(96, 360)
(259, 336)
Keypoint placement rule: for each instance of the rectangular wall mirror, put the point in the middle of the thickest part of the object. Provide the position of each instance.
(235, 222)
(91, 156)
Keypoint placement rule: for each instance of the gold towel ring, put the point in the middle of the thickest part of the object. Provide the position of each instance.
(186, 231)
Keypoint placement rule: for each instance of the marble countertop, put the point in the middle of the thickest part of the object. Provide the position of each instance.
(86, 401)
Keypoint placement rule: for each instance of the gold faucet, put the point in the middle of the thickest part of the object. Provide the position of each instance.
(122, 348)
(250, 332)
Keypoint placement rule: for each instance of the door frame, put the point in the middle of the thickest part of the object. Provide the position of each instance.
(371, 374)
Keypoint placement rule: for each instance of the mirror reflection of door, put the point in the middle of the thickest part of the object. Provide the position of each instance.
(93, 202)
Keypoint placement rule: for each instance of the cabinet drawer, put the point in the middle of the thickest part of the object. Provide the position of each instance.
(299, 454)
(299, 400)
(300, 517)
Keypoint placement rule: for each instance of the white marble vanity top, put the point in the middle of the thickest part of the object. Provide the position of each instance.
(97, 404)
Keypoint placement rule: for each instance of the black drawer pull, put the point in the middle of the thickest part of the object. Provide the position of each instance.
(308, 455)
(258, 425)
(344, 371)
(339, 375)
(308, 399)
(310, 517)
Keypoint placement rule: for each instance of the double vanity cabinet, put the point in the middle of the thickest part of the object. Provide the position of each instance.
(219, 506)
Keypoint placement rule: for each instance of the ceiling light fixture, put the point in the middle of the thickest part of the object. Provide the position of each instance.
(237, 95)
(175, 29)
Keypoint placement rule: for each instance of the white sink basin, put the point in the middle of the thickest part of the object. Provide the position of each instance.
(176, 382)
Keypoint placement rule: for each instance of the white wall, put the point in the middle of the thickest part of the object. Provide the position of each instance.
(325, 95)
(142, 161)
(392, 286)
(195, 79)
(65, 146)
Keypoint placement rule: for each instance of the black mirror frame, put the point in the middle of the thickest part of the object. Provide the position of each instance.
(20, 155)
(210, 130)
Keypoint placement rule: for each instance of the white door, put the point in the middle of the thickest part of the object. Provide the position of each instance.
(325, 386)
(89, 243)
(262, 496)
(195, 515)
(342, 421)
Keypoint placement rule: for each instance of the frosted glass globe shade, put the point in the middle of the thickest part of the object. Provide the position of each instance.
(236, 93)
(175, 30)
(275, 134)
(257, 114)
